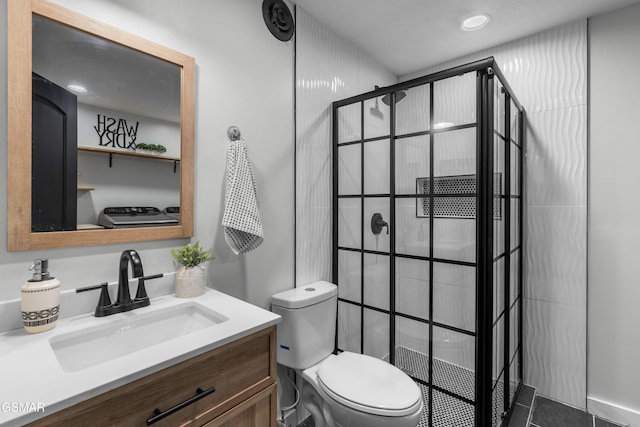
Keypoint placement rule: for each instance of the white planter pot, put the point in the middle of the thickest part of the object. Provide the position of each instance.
(190, 282)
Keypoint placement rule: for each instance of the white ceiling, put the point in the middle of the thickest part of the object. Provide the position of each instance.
(410, 35)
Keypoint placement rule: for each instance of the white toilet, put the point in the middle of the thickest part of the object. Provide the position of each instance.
(344, 390)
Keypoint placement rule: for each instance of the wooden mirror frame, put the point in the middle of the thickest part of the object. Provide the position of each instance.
(19, 234)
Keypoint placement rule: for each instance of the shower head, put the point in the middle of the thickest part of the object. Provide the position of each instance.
(399, 97)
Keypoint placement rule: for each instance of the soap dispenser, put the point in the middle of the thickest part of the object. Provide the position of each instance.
(40, 298)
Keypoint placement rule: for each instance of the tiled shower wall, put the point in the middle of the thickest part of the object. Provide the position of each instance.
(328, 68)
(548, 75)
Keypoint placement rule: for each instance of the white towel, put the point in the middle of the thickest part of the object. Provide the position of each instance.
(241, 219)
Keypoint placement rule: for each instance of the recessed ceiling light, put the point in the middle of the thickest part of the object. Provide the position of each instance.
(77, 88)
(475, 22)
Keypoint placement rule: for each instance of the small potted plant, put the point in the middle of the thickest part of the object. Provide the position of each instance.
(190, 277)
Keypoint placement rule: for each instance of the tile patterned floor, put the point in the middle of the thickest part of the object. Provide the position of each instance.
(545, 413)
(522, 410)
(531, 410)
(549, 413)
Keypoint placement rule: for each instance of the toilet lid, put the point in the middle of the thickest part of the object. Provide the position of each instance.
(368, 384)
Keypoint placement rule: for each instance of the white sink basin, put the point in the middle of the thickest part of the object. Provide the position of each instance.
(130, 332)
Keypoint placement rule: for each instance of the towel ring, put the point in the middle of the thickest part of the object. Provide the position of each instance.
(233, 133)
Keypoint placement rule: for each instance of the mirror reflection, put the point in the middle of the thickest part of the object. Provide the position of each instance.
(106, 133)
(143, 91)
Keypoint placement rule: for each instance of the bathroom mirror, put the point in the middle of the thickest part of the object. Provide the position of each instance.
(173, 103)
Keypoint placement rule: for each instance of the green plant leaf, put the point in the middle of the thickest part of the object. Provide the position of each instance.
(191, 255)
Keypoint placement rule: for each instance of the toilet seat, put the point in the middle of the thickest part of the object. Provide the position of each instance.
(369, 385)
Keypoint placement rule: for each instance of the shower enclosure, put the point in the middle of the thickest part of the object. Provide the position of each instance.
(427, 237)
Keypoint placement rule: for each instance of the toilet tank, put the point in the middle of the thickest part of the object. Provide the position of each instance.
(306, 334)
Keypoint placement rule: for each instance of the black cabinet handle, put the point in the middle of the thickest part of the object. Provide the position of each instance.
(158, 414)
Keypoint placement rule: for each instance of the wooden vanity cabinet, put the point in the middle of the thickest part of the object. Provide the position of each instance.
(242, 372)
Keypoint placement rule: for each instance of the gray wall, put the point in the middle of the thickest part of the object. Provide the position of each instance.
(244, 77)
(614, 216)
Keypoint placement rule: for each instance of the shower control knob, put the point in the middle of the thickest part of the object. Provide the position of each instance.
(377, 223)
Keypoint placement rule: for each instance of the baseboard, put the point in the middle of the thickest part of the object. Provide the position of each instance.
(612, 412)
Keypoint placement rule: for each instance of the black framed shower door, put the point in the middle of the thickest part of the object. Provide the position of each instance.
(427, 237)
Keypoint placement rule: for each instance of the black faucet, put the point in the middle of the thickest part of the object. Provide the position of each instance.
(123, 300)
(124, 297)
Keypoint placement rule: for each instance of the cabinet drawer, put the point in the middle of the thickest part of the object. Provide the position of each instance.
(259, 410)
(237, 371)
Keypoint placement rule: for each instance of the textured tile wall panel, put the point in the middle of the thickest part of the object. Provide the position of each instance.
(555, 339)
(556, 253)
(317, 225)
(548, 70)
(557, 157)
(313, 166)
(325, 68)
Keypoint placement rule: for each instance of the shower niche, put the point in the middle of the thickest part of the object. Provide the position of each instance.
(440, 158)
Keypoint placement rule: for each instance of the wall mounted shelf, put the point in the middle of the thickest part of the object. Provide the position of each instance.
(111, 153)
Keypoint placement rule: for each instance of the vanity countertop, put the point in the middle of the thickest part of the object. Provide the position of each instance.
(33, 380)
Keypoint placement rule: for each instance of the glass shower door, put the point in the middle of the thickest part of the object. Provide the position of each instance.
(428, 242)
